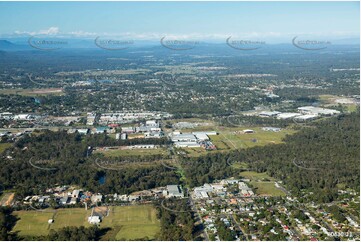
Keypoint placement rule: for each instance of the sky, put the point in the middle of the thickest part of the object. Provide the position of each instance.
(190, 20)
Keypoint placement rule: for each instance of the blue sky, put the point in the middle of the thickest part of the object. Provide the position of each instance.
(196, 20)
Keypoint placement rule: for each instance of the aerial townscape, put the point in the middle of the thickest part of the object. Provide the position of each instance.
(116, 131)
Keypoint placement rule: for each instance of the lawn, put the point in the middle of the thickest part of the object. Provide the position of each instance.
(132, 222)
(128, 222)
(135, 152)
(255, 176)
(33, 92)
(267, 188)
(234, 137)
(71, 217)
(4, 146)
(262, 183)
(195, 151)
(32, 223)
(240, 165)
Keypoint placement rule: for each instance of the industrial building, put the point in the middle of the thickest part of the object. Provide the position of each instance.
(307, 117)
(268, 114)
(287, 115)
(317, 111)
(181, 144)
(174, 191)
(184, 138)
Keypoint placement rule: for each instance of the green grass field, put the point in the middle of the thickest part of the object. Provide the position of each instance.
(233, 138)
(34, 223)
(267, 188)
(71, 217)
(132, 222)
(129, 223)
(262, 183)
(229, 138)
(4, 146)
(135, 152)
(33, 92)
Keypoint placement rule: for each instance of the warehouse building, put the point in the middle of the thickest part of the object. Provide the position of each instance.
(317, 111)
(174, 191)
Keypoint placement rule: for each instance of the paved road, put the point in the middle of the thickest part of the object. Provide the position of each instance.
(245, 235)
(195, 209)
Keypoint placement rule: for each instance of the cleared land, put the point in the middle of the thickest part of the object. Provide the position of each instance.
(262, 183)
(135, 152)
(128, 223)
(267, 189)
(132, 222)
(6, 198)
(33, 92)
(34, 223)
(234, 138)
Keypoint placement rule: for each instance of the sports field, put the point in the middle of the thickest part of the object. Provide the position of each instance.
(132, 222)
(135, 152)
(33, 223)
(128, 222)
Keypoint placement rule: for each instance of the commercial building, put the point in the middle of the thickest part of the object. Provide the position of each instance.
(83, 131)
(128, 130)
(201, 136)
(181, 144)
(152, 124)
(75, 193)
(174, 191)
(268, 114)
(306, 117)
(317, 111)
(184, 138)
(287, 115)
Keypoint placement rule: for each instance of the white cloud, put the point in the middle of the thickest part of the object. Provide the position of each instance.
(49, 31)
(260, 36)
